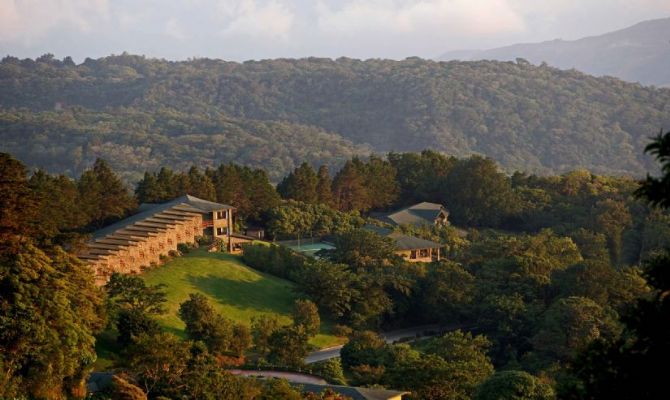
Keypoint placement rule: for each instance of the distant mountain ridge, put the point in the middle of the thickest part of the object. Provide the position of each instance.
(640, 53)
(141, 113)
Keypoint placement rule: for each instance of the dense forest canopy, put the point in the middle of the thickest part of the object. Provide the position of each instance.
(144, 113)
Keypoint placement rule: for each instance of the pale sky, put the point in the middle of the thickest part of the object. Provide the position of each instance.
(258, 29)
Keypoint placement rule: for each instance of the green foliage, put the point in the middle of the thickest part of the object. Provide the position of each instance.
(363, 249)
(450, 367)
(131, 292)
(18, 204)
(122, 389)
(599, 281)
(365, 185)
(514, 385)
(104, 196)
(447, 292)
(262, 328)
(331, 286)
(143, 113)
(330, 370)
(363, 348)
(478, 194)
(165, 367)
(158, 362)
(421, 175)
(131, 324)
(249, 189)
(570, 324)
(220, 334)
(306, 315)
(292, 218)
(657, 190)
(300, 185)
(627, 367)
(289, 346)
(49, 312)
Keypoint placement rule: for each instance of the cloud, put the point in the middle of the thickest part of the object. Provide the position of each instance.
(244, 29)
(28, 20)
(249, 18)
(441, 17)
(175, 30)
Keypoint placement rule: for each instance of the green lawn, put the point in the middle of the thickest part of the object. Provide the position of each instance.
(235, 290)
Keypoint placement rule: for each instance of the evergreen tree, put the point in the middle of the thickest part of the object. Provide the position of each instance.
(380, 181)
(349, 191)
(301, 185)
(148, 189)
(59, 201)
(324, 185)
(18, 205)
(103, 195)
(200, 185)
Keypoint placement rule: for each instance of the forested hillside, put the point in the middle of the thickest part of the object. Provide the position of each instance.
(141, 113)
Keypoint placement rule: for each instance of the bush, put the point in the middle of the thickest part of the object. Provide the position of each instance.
(331, 371)
(276, 260)
(183, 248)
(204, 240)
(342, 330)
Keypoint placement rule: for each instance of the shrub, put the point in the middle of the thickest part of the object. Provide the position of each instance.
(330, 370)
(342, 330)
(204, 240)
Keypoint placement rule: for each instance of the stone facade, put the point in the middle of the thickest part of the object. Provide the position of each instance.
(139, 241)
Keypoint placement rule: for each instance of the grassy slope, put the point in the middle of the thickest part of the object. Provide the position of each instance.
(235, 290)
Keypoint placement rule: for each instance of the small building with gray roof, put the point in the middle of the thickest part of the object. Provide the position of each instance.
(419, 214)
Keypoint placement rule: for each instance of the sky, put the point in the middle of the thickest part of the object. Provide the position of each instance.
(259, 29)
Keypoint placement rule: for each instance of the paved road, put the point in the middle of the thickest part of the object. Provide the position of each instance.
(289, 376)
(389, 337)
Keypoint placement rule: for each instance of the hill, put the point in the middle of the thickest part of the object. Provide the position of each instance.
(640, 53)
(235, 290)
(141, 113)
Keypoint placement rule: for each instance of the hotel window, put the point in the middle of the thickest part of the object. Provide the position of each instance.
(423, 253)
(221, 214)
(221, 231)
(412, 255)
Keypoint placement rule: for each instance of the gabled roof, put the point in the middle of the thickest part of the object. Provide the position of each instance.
(183, 205)
(405, 242)
(423, 213)
(402, 241)
(356, 393)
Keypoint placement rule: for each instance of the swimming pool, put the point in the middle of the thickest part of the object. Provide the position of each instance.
(311, 249)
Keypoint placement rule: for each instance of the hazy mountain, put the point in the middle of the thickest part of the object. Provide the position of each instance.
(640, 53)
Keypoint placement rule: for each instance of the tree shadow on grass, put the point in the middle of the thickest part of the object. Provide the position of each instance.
(263, 296)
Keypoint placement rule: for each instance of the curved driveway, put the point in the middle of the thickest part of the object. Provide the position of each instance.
(389, 337)
(289, 376)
